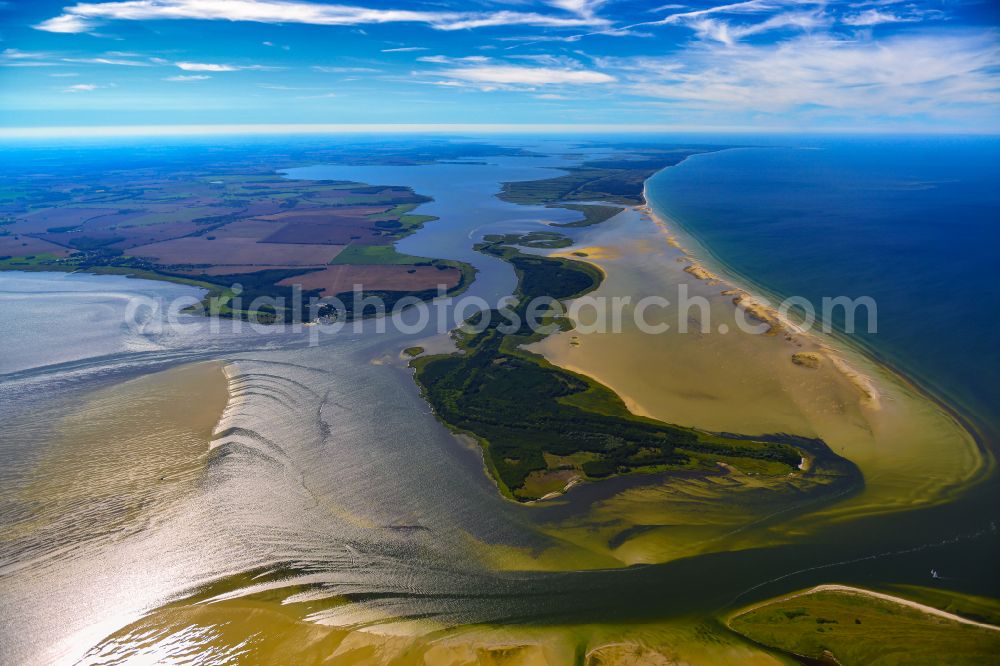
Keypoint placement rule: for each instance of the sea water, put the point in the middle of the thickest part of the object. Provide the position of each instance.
(914, 223)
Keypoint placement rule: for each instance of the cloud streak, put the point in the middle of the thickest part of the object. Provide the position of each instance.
(85, 16)
(871, 17)
(900, 77)
(217, 67)
(532, 76)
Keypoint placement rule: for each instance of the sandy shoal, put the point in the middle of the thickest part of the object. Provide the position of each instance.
(127, 449)
(910, 450)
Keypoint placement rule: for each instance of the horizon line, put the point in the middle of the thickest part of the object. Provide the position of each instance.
(87, 131)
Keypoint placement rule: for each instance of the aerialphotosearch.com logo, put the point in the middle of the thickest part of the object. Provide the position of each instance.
(370, 311)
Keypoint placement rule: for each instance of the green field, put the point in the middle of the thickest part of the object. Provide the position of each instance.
(849, 628)
(42, 260)
(544, 240)
(615, 180)
(592, 214)
(375, 254)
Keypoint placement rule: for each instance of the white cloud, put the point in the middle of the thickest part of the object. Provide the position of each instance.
(81, 87)
(445, 60)
(451, 84)
(70, 23)
(26, 63)
(405, 49)
(730, 33)
(548, 60)
(875, 3)
(579, 7)
(875, 17)
(326, 69)
(709, 24)
(188, 77)
(18, 54)
(217, 67)
(205, 67)
(84, 16)
(16, 57)
(513, 75)
(107, 61)
(924, 74)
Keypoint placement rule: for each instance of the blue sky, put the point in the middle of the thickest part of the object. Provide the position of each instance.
(761, 64)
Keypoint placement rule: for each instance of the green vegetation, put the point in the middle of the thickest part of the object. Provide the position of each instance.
(43, 261)
(969, 606)
(276, 301)
(592, 214)
(413, 351)
(528, 414)
(546, 240)
(848, 628)
(89, 243)
(375, 254)
(399, 222)
(614, 180)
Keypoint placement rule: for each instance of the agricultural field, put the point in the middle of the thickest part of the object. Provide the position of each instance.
(218, 228)
(341, 278)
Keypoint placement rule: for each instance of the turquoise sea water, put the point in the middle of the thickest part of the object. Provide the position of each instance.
(914, 223)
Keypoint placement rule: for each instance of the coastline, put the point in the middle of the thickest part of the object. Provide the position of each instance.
(760, 308)
(850, 589)
(869, 434)
(836, 348)
(703, 256)
(835, 345)
(837, 623)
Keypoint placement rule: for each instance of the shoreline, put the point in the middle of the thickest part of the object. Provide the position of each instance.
(713, 265)
(860, 591)
(747, 299)
(760, 309)
(893, 452)
(755, 305)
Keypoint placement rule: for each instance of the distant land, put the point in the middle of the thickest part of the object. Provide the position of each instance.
(218, 222)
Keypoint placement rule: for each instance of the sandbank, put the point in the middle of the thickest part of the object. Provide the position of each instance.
(910, 449)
